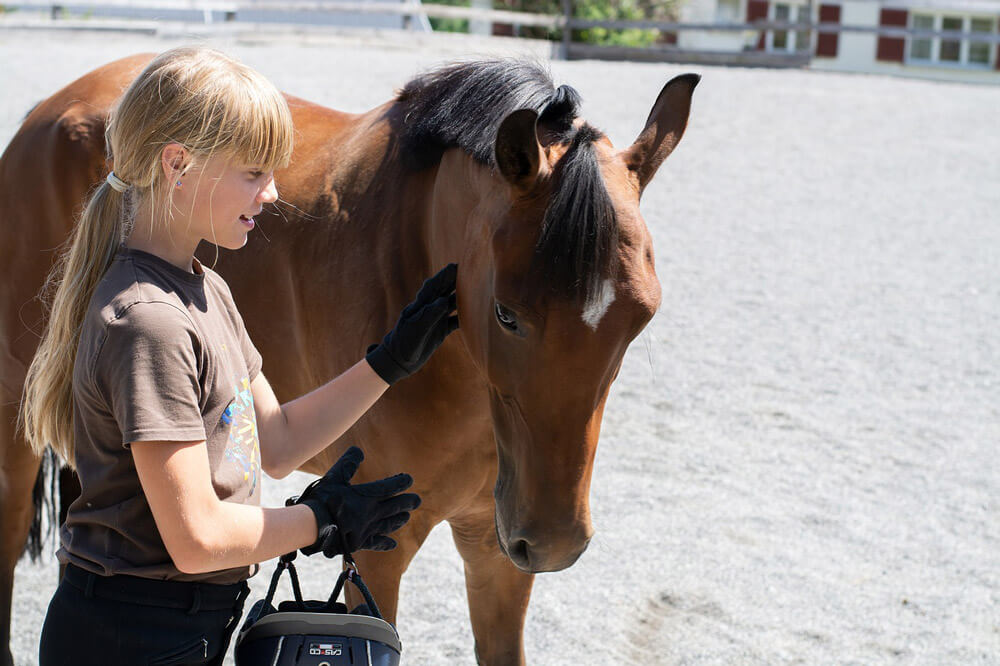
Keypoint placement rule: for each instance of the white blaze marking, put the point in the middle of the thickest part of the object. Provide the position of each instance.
(594, 309)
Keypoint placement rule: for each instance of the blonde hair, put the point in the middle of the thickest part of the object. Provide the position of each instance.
(197, 97)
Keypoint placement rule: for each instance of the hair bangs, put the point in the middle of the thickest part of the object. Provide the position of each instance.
(245, 118)
(262, 130)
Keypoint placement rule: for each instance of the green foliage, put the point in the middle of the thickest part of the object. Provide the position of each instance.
(603, 10)
(592, 10)
(449, 24)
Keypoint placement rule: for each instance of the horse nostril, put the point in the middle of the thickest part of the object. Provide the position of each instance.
(519, 553)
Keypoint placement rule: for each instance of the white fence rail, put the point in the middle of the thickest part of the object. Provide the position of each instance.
(409, 10)
(416, 9)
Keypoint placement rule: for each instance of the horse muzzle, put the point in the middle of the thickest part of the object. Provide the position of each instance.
(538, 551)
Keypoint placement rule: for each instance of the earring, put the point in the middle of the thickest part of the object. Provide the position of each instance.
(178, 183)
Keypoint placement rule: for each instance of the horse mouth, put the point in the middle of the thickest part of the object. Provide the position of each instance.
(532, 559)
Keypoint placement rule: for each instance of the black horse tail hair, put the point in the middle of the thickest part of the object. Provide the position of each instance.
(44, 499)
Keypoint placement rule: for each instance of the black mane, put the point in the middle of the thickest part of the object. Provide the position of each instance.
(462, 105)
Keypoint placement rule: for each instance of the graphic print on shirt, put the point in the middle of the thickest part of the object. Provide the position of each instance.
(243, 448)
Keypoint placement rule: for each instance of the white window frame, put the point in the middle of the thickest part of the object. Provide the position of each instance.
(963, 59)
(790, 36)
(740, 11)
(932, 56)
(991, 47)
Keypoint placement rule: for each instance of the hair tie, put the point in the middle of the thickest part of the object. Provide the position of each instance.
(116, 183)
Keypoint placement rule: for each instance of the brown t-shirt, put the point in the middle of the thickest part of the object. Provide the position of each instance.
(163, 355)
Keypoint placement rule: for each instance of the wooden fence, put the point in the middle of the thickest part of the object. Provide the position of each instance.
(570, 49)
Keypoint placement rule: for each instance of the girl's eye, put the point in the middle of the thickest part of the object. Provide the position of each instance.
(256, 174)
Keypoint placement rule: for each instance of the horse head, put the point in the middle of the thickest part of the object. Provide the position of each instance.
(556, 278)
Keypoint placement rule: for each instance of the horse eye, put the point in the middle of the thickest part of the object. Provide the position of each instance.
(506, 318)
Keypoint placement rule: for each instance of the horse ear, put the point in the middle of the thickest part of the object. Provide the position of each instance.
(517, 151)
(664, 128)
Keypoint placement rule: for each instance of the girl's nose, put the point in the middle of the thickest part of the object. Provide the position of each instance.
(270, 192)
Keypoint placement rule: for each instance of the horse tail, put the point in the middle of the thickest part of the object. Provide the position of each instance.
(44, 500)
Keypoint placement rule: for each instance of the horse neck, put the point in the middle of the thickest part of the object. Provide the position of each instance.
(466, 202)
(375, 206)
(400, 225)
(420, 219)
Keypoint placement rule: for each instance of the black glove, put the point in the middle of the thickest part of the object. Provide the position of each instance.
(352, 518)
(422, 327)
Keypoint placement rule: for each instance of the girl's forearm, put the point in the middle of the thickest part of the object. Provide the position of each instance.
(236, 535)
(315, 420)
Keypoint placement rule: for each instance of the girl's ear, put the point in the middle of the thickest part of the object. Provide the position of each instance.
(175, 160)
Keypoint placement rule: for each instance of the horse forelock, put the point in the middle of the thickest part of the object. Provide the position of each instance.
(576, 248)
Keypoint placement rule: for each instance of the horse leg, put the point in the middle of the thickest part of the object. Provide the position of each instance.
(18, 469)
(498, 591)
(382, 571)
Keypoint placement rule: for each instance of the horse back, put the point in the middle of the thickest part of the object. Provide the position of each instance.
(46, 172)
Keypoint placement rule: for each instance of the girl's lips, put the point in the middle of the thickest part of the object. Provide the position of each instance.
(248, 221)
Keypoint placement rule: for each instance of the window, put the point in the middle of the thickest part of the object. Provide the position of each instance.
(802, 36)
(950, 50)
(920, 47)
(979, 52)
(727, 11)
(780, 40)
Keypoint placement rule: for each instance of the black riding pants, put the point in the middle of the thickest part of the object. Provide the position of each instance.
(129, 621)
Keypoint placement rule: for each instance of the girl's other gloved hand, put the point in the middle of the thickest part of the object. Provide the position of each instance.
(356, 517)
(422, 327)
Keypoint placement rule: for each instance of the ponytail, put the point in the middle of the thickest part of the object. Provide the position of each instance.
(46, 414)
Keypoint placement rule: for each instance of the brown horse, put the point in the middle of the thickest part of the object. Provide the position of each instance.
(485, 164)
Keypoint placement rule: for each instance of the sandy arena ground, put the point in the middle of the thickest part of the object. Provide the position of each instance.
(799, 458)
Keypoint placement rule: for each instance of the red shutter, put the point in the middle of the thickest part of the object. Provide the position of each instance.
(757, 11)
(996, 65)
(891, 48)
(826, 42)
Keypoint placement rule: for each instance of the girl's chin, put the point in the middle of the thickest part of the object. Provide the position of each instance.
(235, 243)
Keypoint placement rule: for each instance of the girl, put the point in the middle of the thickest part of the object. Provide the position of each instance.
(148, 384)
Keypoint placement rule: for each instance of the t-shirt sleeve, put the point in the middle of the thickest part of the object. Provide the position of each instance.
(147, 370)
